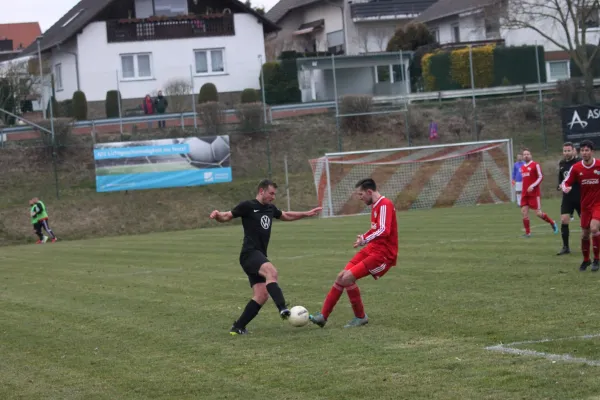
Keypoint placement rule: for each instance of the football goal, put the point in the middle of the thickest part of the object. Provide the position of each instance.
(459, 174)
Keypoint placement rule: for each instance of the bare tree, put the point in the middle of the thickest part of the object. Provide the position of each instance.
(179, 91)
(381, 36)
(17, 85)
(362, 39)
(564, 23)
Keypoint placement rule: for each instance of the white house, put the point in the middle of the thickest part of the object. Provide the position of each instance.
(477, 21)
(348, 28)
(340, 26)
(138, 46)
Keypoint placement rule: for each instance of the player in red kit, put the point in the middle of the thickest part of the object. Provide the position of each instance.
(587, 173)
(530, 197)
(375, 259)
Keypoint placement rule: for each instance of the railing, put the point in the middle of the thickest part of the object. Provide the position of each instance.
(424, 96)
(380, 9)
(161, 28)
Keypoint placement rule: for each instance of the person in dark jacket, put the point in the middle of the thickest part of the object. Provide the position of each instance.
(160, 105)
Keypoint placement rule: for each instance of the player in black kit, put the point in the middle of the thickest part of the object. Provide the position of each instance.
(257, 216)
(570, 201)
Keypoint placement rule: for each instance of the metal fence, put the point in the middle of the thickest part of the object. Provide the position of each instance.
(292, 134)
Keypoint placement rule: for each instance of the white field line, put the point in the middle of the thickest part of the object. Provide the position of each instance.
(509, 348)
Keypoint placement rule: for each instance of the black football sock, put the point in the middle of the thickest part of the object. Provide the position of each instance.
(564, 231)
(277, 295)
(251, 311)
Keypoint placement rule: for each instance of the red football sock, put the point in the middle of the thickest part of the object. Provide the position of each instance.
(585, 248)
(596, 245)
(356, 301)
(331, 300)
(546, 218)
(526, 225)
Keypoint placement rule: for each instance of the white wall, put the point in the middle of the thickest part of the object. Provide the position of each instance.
(471, 28)
(63, 56)
(99, 61)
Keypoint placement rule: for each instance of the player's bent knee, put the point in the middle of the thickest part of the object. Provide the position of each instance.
(565, 219)
(268, 271)
(347, 278)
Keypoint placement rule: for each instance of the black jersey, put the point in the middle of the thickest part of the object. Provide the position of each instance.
(563, 169)
(257, 219)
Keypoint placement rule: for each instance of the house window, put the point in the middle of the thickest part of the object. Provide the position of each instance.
(558, 70)
(136, 66)
(58, 77)
(170, 8)
(589, 17)
(436, 35)
(210, 61)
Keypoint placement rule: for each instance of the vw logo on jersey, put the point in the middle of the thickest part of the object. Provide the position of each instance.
(265, 221)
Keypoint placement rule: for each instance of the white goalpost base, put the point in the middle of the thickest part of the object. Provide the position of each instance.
(423, 177)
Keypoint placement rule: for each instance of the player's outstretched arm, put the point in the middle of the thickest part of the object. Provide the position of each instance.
(295, 215)
(221, 216)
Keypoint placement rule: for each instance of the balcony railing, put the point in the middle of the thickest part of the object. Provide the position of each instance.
(165, 28)
(393, 9)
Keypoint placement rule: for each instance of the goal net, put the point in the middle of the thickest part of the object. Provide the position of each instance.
(460, 174)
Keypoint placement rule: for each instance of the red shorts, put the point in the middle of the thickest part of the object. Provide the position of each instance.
(366, 263)
(587, 215)
(532, 202)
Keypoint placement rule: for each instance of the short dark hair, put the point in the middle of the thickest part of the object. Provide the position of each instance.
(265, 183)
(525, 149)
(568, 144)
(366, 184)
(587, 143)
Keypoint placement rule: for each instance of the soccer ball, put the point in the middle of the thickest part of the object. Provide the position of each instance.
(298, 316)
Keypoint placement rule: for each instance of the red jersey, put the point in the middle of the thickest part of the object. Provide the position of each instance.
(383, 236)
(588, 177)
(532, 177)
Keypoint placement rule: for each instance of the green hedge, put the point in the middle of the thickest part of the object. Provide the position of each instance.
(441, 69)
(515, 65)
(281, 83)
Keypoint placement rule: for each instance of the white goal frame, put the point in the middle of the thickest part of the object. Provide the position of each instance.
(329, 210)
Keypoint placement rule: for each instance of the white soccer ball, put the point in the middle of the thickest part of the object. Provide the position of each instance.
(299, 316)
(200, 151)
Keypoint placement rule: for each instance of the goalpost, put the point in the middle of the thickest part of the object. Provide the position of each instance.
(423, 177)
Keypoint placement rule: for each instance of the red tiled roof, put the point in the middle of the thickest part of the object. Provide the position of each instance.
(22, 33)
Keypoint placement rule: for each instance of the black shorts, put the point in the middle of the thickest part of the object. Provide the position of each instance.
(251, 262)
(569, 205)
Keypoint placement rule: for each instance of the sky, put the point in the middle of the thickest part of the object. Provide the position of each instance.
(47, 12)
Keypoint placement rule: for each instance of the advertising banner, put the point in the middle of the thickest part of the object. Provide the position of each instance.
(162, 163)
(580, 123)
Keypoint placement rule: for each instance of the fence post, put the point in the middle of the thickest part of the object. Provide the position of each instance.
(337, 109)
(407, 125)
(119, 104)
(541, 99)
(193, 98)
(287, 182)
(473, 93)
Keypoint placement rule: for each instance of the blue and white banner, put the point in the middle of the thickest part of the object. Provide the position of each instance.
(162, 163)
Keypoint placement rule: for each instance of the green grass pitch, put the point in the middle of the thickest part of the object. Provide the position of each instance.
(147, 317)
